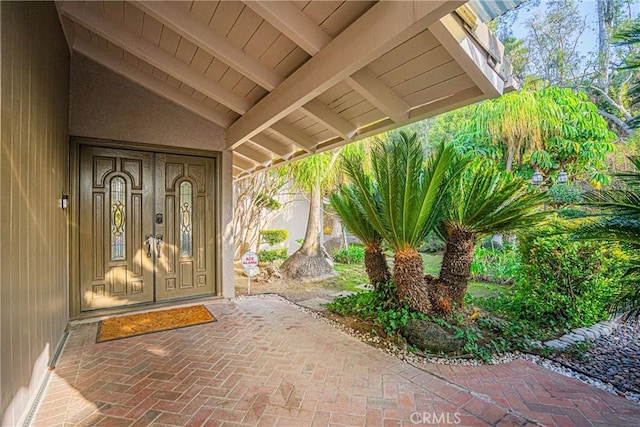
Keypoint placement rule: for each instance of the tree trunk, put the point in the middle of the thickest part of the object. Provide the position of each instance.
(375, 264)
(336, 227)
(456, 264)
(311, 262)
(510, 154)
(409, 279)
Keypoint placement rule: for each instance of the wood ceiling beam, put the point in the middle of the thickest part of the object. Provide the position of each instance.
(383, 27)
(450, 32)
(184, 24)
(149, 82)
(147, 51)
(243, 163)
(293, 23)
(295, 136)
(283, 150)
(368, 85)
(249, 151)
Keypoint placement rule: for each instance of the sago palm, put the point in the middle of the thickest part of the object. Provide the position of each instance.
(618, 219)
(401, 200)
(481, 202)
(345, 203)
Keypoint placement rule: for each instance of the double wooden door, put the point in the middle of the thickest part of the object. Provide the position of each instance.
(146, 227)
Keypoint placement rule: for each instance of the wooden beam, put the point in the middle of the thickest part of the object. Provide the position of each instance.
(295, 136)
(383, 27)
(449, 31)
(332, 120)
(283, 150)
(147, 51)
(149, 82)
(293, 23)
(249, 151)
(202, 36)
(367, 84)
(243, 163)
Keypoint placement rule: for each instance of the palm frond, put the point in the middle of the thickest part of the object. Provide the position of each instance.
(346, 205)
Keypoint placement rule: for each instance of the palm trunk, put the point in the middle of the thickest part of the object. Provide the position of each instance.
(456, 264)
(311, 242)
(409, 279)
(375, 264)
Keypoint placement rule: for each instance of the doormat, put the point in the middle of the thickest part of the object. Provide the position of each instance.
(153, 321)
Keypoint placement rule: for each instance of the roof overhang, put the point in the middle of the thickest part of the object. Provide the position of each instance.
(289, 79)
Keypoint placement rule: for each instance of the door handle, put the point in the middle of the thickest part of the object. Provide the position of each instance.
(159, 241)
(148, 240)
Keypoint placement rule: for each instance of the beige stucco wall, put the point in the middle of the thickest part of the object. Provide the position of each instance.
(33, 175)
(106, 105)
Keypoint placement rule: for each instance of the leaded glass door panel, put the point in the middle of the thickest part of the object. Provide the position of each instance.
(116, 202)
(185, 257)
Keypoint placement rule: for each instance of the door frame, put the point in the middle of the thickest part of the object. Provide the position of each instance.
(74, 215)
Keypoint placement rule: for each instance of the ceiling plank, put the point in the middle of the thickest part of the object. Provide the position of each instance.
(472, 59)
(282, 150)
(152, 54)
(367, 84)
(383, 27)
(243, 163)
(149, 82)
(295, 136)
(334, 121)
(202, 36)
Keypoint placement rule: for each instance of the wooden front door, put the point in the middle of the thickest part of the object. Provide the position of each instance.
(145, 226)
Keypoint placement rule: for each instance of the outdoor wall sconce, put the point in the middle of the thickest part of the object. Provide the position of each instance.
(64, 201)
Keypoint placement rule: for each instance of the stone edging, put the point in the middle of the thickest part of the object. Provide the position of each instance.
(592, 333)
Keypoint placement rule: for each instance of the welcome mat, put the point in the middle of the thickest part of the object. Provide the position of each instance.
(153, 321)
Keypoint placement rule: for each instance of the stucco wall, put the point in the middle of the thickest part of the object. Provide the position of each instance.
(33, 174)
(107, 105)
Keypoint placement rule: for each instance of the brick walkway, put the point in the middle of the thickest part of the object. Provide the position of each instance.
(267, 363)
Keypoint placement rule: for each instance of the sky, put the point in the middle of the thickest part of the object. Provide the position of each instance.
(588, 9)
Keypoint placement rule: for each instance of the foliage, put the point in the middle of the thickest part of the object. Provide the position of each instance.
(274, 236)
(345, 203)
(270, 255)
(618, 219)
(564, 194)
(562, 283)
(631, 37)
(433, 243)
(401, 197)
(484, 201)
(353, 255)
(495, 265)
(551, 129)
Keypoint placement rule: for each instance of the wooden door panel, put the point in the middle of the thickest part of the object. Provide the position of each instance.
(184, 196)
(116, 202)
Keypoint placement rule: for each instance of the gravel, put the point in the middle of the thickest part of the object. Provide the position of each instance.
(610, 363)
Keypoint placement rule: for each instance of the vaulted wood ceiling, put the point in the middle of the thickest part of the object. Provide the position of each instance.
(290, 78)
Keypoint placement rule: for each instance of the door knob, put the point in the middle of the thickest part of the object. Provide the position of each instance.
(159, 241)
(148, 240)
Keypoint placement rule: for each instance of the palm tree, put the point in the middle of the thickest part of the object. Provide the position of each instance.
(401, 200)
(619, 220)
(481, 202)
(345, 203)
(631, 37)
(311, 262)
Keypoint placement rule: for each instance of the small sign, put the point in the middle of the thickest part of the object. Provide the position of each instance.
(249, 260)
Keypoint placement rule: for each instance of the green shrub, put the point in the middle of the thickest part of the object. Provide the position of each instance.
(275, 236)
(355, 255)
(433, 243)
(562, 283)
(564, 194)
(271, 255)
(495, 265)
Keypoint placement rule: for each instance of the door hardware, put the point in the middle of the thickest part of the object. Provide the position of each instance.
(148, 240)
(159, 241)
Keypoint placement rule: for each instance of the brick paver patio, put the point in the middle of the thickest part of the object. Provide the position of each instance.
(267, 363)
